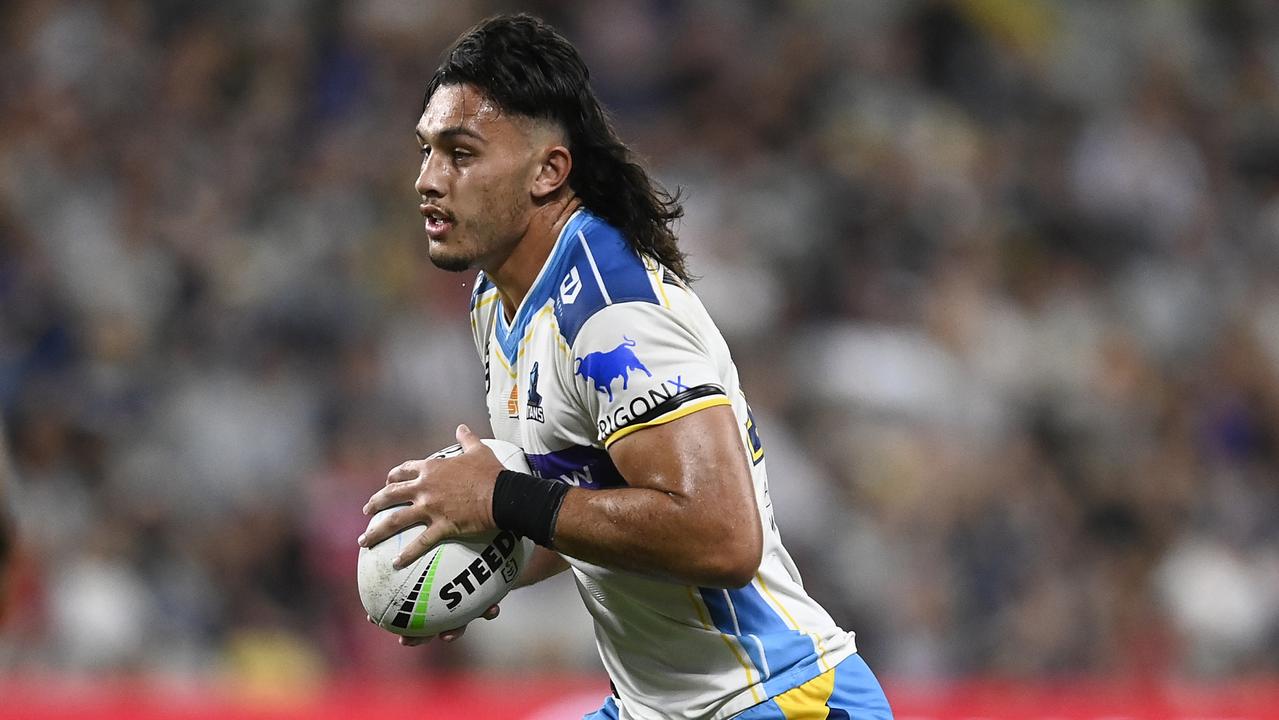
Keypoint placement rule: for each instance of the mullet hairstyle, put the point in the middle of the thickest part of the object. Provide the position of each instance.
(529, 69)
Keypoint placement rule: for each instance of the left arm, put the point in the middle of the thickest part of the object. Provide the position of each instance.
(687, 513)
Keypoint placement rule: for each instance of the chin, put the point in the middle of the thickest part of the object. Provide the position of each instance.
(452, 263)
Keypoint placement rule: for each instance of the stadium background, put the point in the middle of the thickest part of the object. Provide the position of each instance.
(1000, 276)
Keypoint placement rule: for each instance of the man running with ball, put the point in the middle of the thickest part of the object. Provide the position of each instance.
(649, 476)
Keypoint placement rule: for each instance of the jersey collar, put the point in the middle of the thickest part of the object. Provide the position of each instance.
(542, 290)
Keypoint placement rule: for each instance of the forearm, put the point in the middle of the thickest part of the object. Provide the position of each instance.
(687, 513)
(541, 565)
(653, 533)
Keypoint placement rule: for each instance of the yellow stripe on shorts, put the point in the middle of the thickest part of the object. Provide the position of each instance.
(808, 701)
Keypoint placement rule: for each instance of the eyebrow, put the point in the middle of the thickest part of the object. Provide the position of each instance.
(451, 132)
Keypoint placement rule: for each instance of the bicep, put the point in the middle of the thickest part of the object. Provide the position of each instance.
(698, 458)
(687, 511)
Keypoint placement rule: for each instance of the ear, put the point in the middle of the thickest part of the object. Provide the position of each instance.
(552, 172)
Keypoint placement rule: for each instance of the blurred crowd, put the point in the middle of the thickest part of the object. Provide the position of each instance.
(1001, 278)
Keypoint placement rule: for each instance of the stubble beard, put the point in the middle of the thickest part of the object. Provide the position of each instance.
(467, 255)
(452, 263)
(492, 235)
(456, 256)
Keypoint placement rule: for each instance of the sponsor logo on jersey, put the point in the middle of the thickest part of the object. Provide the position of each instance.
(580, 477)
(579, 466)
(641, 405)
(570, 286)
(513, 403)
(534, 398)
(602, 368)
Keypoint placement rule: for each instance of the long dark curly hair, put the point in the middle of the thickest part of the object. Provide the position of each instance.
(527, 68)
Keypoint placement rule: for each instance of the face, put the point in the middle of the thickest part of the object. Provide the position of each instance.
(478, 165)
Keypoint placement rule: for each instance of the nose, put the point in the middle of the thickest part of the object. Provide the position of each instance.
(430, 179)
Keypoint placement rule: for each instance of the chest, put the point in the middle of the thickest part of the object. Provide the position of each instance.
(530, 400)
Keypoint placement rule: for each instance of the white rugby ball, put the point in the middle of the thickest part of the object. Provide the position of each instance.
(454, 582)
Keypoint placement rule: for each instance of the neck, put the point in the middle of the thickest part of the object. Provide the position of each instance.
(515, 274)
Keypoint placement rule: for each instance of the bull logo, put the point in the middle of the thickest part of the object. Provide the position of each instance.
(602, 368)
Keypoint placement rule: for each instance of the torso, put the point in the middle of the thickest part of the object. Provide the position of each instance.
(605, 344)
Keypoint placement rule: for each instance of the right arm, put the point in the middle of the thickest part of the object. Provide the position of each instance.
(541, 565)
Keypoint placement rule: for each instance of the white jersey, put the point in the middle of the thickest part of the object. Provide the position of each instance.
(607, 343)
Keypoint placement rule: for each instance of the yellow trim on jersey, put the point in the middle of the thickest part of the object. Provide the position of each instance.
(789, 618)
(706, 623)
(501, 357)
(528, 335)
(489, 296)
(655, 270)
(657, 280)
(808, 701)
(821, 647)
(676, 414)
(559, 337)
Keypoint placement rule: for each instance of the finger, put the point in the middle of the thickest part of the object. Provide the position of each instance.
(492, 612)
(370, 619)
(406, 470)
(413, 641)
(451, 635)
(396, 494)
(470, 441)
(387, 526)
(418, 546)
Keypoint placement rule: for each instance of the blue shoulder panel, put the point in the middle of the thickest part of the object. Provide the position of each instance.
(590, 268)
(601, 269)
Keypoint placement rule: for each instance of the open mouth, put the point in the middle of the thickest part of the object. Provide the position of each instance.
(438, 222)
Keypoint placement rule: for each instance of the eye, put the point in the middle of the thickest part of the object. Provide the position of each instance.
(460, 155)
(424, 150)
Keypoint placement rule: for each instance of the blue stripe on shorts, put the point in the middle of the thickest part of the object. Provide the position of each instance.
(856, 696)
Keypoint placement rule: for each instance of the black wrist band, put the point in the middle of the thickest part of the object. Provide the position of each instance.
(528, 505)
